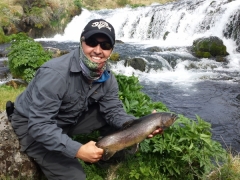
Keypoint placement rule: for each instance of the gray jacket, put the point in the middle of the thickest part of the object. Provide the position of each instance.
(56, 98)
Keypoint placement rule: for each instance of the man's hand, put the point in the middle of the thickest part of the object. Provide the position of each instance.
(89, 152)
(157, 131)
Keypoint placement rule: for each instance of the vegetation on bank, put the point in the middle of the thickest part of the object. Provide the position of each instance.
(25, 56)
(112, 4)
(186, 151)
(37, 18)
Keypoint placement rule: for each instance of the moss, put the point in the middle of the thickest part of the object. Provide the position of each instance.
(201, 54)
(209, 47)
(3, 37)
(206, 55)
(216, 49)
(115, 57)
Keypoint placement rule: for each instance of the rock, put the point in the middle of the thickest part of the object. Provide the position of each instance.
(4, 49)
(119, 41)
(3, 53)
(4, 73)
(165, 35)
(136, 63)
(15, 83)
(238, 49)
(13, 163)
(154, 49)
(238, 97)
(209, 47)
(56, 52)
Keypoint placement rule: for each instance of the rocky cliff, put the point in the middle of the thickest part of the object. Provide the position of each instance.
(37, 18)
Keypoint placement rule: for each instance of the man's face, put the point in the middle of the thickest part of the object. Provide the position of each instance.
(97, 48)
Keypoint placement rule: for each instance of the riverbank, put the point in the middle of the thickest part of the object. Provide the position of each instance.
(113, 4)
(36, 18)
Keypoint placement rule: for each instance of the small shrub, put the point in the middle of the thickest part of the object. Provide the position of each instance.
(77, 3)
(25, 56)
(134, 100)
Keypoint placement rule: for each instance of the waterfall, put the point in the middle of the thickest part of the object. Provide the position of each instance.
(179, 22)
(175, 24)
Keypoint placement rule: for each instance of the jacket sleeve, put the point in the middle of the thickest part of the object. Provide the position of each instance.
(111, 106)
(47, 92)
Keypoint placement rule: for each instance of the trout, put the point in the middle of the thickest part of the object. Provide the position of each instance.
(134, 132)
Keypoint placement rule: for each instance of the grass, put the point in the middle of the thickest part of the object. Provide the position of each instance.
(228, 171)
(8, 93)
(112, 4)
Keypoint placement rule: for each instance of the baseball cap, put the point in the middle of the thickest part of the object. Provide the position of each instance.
(96, 26)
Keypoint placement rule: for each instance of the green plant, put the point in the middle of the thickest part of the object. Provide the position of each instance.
(122, 2)
(3, 38)
(135, 101)
(25, 56)
(186, 151)
(77, 3)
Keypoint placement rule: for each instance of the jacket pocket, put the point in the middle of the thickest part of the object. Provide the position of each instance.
(72, 106)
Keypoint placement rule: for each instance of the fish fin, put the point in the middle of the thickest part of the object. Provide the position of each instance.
(133, 149)
(129, 123)
(99, 138)
(107, 155)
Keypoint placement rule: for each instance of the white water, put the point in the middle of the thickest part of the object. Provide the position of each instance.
(184, 23)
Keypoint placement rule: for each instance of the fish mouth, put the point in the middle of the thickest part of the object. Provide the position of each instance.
(174, 116)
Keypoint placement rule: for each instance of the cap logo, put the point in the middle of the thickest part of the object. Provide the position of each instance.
(101, 24)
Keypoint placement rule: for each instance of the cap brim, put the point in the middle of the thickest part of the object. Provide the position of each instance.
(90, 33)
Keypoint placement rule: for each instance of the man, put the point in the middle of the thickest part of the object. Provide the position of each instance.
(73, 94)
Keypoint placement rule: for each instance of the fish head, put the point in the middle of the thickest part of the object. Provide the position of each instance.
(168, 119)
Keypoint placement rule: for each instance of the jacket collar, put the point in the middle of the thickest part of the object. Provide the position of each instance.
(75, 65)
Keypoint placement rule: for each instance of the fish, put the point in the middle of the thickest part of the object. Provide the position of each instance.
(134, 132)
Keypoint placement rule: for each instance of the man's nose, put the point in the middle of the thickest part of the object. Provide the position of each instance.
(98, 49)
